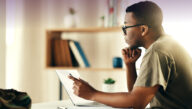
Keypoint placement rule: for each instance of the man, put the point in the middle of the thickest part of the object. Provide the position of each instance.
(165, 78)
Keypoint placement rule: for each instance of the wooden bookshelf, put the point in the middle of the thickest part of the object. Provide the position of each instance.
(55, 33)
(92, 29)
(92, 69)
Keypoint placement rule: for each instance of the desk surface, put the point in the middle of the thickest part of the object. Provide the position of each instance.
(65, 103)
(51, 105)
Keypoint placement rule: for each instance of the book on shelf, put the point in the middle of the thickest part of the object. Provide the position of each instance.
(79, 53)
(61, 54)
(74, 60)
(65, 53)
(56, 52)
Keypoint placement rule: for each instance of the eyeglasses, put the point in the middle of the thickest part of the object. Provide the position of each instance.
(125, 27)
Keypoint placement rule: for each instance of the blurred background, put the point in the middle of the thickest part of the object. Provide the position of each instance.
(23, 25)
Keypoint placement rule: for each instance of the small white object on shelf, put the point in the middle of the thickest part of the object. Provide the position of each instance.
(70, 19)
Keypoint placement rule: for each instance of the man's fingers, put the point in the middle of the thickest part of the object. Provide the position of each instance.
(128, 52)
(75, 87)
(126, 49)
(138, 51)
(76, 92)
(78, 83)
(123, 51)
(133, 54)
(83, 81)
(73, 78)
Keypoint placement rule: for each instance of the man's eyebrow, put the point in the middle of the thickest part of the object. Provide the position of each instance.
(125, 22)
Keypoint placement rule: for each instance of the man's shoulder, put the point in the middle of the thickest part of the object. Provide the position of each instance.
(163, 42)
(164, 45)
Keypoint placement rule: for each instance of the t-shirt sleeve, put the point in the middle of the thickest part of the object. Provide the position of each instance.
(155, 70)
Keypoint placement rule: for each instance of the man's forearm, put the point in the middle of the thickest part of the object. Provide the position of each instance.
(131, 75)
(120, 100)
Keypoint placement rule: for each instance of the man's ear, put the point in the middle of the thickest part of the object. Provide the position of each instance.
(144, 30)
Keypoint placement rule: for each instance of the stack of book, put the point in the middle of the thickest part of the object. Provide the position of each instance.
(68, 53)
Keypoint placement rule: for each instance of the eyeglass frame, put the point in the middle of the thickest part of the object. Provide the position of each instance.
(125, 27)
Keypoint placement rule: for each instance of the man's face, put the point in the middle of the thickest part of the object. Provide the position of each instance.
(133, 35)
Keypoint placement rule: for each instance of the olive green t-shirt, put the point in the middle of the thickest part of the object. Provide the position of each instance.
(167, 64)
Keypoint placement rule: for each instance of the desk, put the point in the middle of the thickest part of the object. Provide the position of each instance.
(64, 103)
(55, 104)
(51, 105)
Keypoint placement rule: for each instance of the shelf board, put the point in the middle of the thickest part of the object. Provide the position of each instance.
(91, 29)
(89, 69)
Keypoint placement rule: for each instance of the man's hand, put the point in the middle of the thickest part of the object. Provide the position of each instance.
(130, 56)
(82, 88)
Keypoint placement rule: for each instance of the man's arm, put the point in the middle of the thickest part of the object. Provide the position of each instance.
(138, 98)
(131, 76)
(130, 57)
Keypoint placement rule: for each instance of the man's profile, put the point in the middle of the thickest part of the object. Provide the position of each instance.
(165, 75)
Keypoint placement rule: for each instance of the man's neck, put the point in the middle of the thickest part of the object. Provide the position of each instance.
(151, 39)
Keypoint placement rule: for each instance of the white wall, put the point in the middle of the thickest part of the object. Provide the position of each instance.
(2, 43)
(25, 48)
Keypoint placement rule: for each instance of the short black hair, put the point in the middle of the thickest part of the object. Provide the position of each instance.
(147, 12)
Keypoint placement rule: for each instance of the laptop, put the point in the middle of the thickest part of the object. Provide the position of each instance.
(68, 86)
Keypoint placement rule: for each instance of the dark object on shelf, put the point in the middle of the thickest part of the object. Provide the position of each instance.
(12, 99)
(117, 62)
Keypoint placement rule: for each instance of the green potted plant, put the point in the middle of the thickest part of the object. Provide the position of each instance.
(109, 85)
(102, 21)
(71, 11)
(109, 81)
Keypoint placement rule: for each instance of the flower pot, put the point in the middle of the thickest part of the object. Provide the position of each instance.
(70, 21)
(108, 87)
